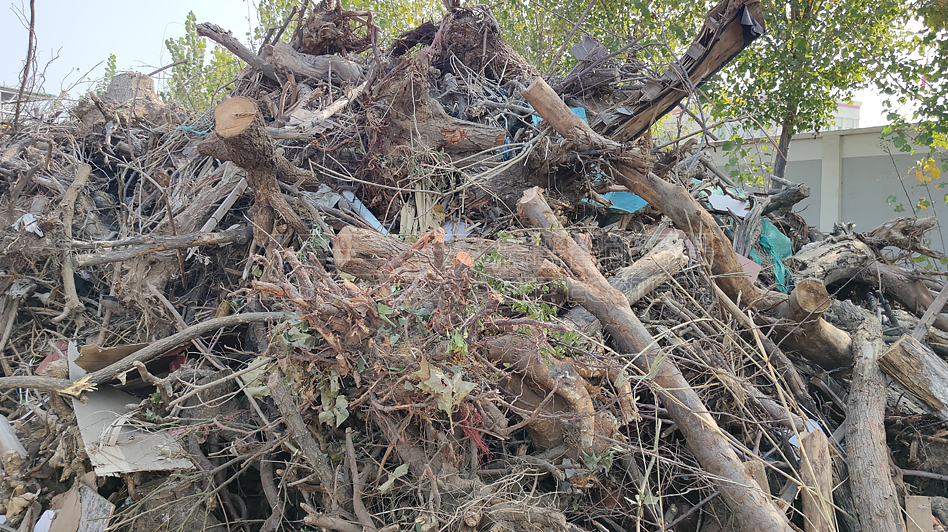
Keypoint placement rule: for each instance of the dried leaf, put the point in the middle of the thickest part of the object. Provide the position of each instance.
(76, 389)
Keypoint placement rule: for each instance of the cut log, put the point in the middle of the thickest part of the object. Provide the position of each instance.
(705, 439)
(920, 371)
(546, 103)
(877, 506)
(362, 253)
(808, 332)
(848, 258)
(239, 136)
(816, 472)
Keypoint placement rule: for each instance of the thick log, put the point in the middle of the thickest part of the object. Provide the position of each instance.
(676, 203)
(905, 287)
(362, 253)
(816, 472)
(920, 371)
(240, 136)
(705, 439)
(311, 66)
(877, 506)
(831, 261)
(635, 282)
(808, 332)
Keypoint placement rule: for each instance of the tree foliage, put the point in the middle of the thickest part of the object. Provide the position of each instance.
(195, 82)
(916, 83)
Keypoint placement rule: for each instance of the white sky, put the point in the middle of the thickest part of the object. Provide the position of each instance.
(83, 34)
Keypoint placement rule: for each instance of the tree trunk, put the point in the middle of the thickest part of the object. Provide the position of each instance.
(786, 132)
(240, 136)
(877, 507)
(713, 450)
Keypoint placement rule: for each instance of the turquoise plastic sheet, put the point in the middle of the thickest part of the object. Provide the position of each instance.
(778, 248)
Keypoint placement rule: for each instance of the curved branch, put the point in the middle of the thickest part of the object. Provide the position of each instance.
(152, 351)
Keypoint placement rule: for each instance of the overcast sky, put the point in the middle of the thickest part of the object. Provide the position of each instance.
(82, 34)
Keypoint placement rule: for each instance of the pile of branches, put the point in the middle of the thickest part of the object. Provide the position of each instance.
(384, 289)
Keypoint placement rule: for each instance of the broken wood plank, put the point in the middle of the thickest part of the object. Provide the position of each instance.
(816, 472)
(920, 371)
(918, 511)
(728, 28)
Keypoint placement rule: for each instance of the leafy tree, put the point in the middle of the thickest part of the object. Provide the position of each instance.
(272, 14)
(815, 54)
(917, 79)
(195, 83)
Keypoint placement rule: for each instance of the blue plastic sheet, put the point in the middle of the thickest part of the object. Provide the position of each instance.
(778, 248)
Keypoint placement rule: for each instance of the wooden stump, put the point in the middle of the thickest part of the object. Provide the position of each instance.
(809, 333)
(240, 136)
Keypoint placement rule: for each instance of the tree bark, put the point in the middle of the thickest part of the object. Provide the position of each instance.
(920, 370)
(705, 439)
(240, 136)
(877, 507)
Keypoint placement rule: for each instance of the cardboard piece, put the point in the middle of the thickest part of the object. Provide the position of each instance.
(115, 441)
(93, 358)
(751, 268)
(81, 509)
(10, 447)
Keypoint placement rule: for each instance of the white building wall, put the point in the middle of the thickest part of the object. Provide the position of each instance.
(851, 175)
